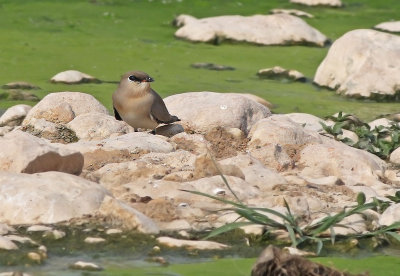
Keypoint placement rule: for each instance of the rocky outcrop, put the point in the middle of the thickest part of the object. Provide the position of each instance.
(362, 63)
(216, 110)
(331, 3)
(73, 77)
(276, 29)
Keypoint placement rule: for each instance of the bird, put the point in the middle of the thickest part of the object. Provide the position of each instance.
(137, 104)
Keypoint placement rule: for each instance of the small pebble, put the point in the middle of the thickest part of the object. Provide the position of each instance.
(94, 240)
(113, 231)
(86, 266)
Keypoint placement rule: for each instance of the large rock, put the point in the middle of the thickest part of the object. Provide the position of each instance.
(205, 110)
(14, 115)
(276, 29)
(391, 26)
(73, 77)
(292, 12)
(48, 197)
(22, 152)
(63, 107)
(362, 63)
(332, 3)
(97, 126)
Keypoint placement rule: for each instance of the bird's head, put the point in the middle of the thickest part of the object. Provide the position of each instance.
(136, 79)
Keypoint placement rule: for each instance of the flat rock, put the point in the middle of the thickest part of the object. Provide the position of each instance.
(331, 3)
(45, 198)
(216, 110)
(7, 244)
(191, 245)
(63, 107)
(73, 77)
(391, 26)
(14, 115)
(97, 126)
(19, 85)
(5, 229)
(362, 63)
(292, 12)
(94, 240)
(390, 215)
(258, 99)
(275, 29)
(80, 265)
(278, 73)
(22, 152)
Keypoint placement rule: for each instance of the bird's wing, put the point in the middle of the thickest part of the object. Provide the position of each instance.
(116, 114)
(159, 111)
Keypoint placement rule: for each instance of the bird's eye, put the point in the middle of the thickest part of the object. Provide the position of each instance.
(132, 78)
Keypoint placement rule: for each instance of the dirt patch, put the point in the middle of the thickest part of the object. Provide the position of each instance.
(224, 144)
(63, 134)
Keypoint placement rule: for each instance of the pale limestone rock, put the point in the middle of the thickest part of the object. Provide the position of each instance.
(80, 265)
(275, 29)
(46, 198)
(169, 130)
(127, 217)
(362, 63)
(216, 110)
(390, 215)
(94, 240)
(113, 231)
(354, 224)
(19, 85)
(381, 122)
(307, 121)
(395, 156)
(22, 152)
(14, 115)
(258, 99)
(4, 130)
(292, 12)
(97, 126)
(73, 77)
(332, 158)
(5, 229)
(22, 240)
(278, 72)
(63, 107)
(194, 143)
(7, 244)
(175, 225)
(279, 129)
(38, 228)
(390, 26)
(36, 257)
(298, 252)
(191, 245)
(331, 3)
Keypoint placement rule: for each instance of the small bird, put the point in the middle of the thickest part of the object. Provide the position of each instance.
(138, 105)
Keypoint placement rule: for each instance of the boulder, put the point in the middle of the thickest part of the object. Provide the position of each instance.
(63, 107)
(292, 12)
(307, 121)
(275, 29)
(390, 215)
(279, 73)
(73, 77)
(362, 63)
(22, 152)
(391, 26)
(14, 115)
(257, 99)
(97, 126)
(331, 3)
(216, 110)
(46, 198)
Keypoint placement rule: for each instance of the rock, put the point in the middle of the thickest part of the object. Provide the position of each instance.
(279, 73)
(169, 130)
(5, 130)
(22, 152)
(80, 265)
(206, 166)
(73, 77)
(191, 245)
(257, 99)
(279, 129)
(391, 26)
(127, 217)
(38, 228)
(395, 156)
(331, 3)
(390, 215)
(21, 95)
(216, 110)
(33, 256)
(14, 115)
(46, 198)
(5, 229)
(19, 85)
(193, 143)
(63, 107)
(351, 225)
(212, 66)
(292, 12)
(381, 122)
(175, 225)
(94, 240)
(275, 29)
(113, 231)
(97, 126)
(362, 63)
(307, 121)
(7, 244)
(22, 240)
(297, 252)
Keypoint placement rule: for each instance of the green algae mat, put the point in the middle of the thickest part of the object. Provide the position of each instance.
(106, 38)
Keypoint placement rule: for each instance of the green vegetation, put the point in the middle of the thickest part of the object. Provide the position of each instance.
(381, 140)
(106, 38)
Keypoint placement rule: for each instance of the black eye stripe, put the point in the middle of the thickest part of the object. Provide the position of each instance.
(132, 78)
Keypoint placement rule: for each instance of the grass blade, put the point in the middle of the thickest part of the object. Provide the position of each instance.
(226, 228)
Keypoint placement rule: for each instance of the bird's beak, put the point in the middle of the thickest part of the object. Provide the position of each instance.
(148, 79)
